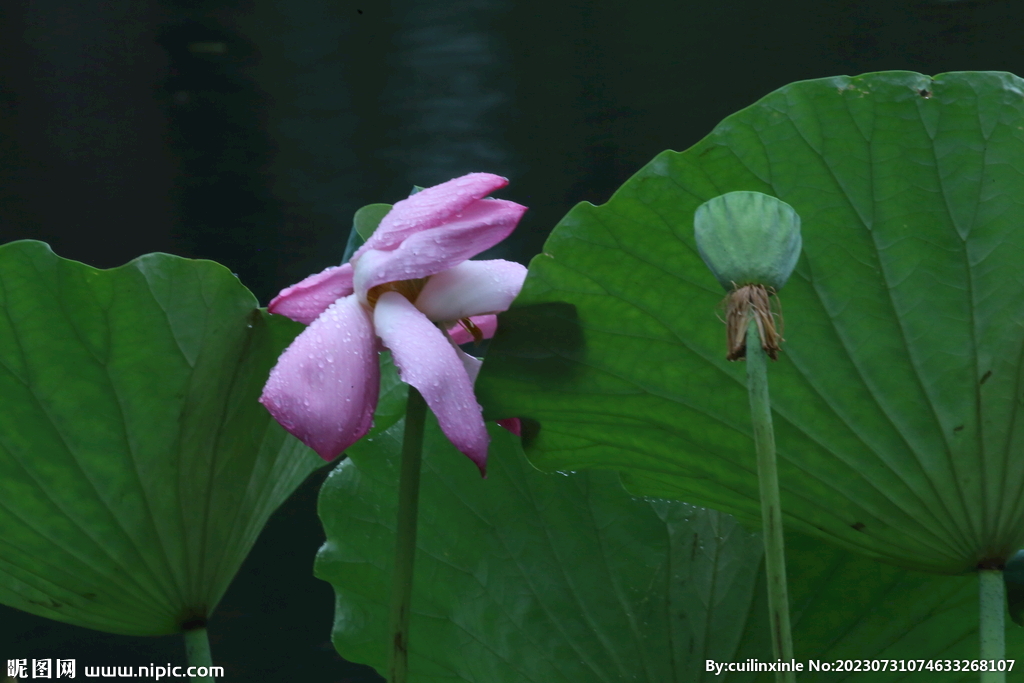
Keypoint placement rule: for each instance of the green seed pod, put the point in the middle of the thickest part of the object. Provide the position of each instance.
(748, 238)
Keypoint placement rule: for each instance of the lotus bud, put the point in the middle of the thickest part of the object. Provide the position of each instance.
(751, 242)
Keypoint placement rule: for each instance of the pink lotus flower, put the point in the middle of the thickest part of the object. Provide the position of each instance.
(412, 289)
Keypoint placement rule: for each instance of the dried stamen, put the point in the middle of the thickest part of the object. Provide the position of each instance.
(742, 303)
(470, 326)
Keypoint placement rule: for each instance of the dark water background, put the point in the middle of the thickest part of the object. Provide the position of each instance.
(248, 132)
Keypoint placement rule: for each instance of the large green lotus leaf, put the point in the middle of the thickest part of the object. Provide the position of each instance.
(896, 397)
(527, 576)
(136, 466)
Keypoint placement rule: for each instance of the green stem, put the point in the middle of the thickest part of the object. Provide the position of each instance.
(405, 540)
(771, 508)
(197, 652)
(992, 601)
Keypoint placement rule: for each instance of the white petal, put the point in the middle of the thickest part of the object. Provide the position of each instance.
(471, 288)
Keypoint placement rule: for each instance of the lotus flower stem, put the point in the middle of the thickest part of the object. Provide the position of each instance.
(197, 652)
(771, 508)
(992, 602)
(405, 536)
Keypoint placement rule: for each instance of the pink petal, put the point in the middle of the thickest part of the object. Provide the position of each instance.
(428, 361)
(471, 288)
(512, 424)
(304, 301)
(324, 387)
(430, 208)
(481, 225)
(487, 324)
(471, 364)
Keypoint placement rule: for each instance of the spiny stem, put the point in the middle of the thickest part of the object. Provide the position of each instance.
(197, 652)
(405, 538)
(992, 626)
(771, 508)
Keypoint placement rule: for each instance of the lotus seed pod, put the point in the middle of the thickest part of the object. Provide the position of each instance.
(748, 238)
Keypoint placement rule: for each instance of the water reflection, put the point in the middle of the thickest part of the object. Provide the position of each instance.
(449, 84)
